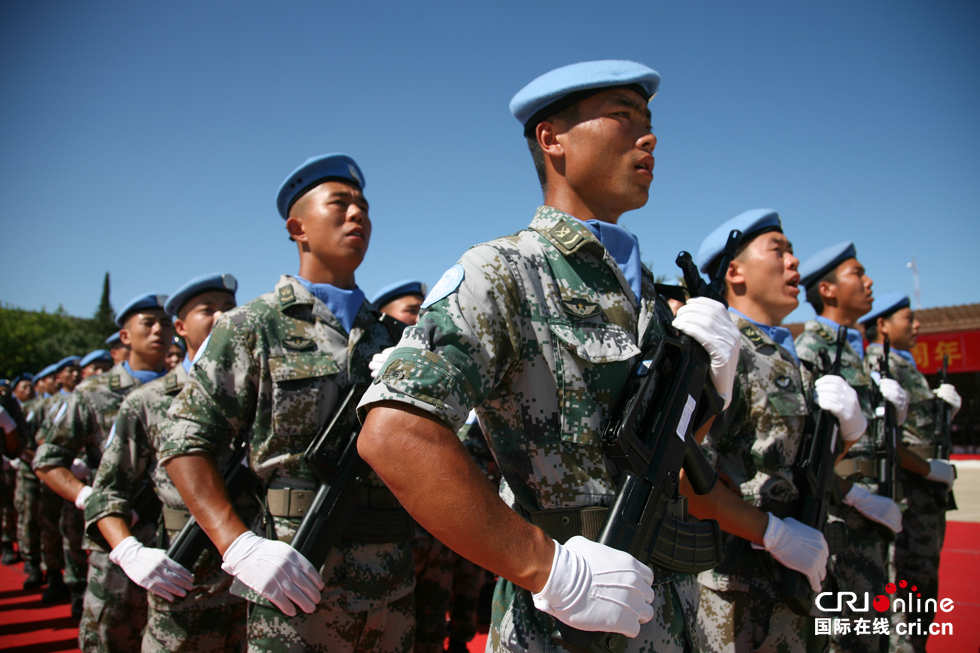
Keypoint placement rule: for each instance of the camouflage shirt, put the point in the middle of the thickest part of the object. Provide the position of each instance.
(539, 337)
(919, 429)
(272, 372)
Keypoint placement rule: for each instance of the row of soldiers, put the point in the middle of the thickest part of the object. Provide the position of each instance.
(538, 333)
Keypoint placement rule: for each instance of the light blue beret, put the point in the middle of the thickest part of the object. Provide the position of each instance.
(23, 376)
(563, 87)
(196, 286)
(65, 362)
(395, 290)
(96, 356)
(885, 305)
(750, 223)
(138, 303)
(114, 341)
(824, 262)
(46, 372)
(5, 382)
(180, 343)
(313, 173)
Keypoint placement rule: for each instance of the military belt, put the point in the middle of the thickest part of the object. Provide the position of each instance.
(378, 519)
(851, 466)
(562, 524)
(923, 451)
(174, 519)
(288, 502)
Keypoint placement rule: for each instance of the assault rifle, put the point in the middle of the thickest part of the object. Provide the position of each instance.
(886, 447)
(944, 444)
(649, 440)
(814, 476)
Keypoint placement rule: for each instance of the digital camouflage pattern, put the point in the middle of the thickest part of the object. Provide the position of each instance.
(539, 337)
(115, 608)
(861, 566)
(433, 587)
(7, 509)
(273, 371)
(918, 546)
(130, 461)
(754, 443)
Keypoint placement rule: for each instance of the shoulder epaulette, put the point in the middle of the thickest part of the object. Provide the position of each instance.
(286, 297)
(566, 238)
(753, 336)
(115, 383)
(825, 334)
(171, 385)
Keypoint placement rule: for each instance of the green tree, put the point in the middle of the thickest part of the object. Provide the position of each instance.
(104, 317)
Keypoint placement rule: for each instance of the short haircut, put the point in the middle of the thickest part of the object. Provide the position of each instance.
(871, 330)
(813, 292)
(568, 114)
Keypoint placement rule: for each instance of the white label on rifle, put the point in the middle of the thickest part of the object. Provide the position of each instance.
(686, 418)
(833, 440)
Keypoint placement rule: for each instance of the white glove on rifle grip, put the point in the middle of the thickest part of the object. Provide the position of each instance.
(947, 392)
(275, 570)
(896, 396)
(796, 546)
(834, 395)
(941, 471)
(378, 361)
(707, 322)
(80, 469)
(82, 497)
(151, 569)
(596, 588)
(875, 507)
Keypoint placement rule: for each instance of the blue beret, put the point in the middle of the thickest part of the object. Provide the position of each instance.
(563, 87)
(198, 285)
(46, 372)
(114, 341)
(824, 262)
(395, 290)
(23, 376)
(65, 362)
(96, 356)
(885, 305)
(312, 173)
(142, 302)
(750, 223)
(5, 382)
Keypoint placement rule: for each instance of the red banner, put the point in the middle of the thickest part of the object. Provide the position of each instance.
(962, 347)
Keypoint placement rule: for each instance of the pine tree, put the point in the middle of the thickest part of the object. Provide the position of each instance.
(104, 316)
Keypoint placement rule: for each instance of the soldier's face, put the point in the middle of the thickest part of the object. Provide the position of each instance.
(149, 334)
(24, 390)
(853, 291)
(69, 377)
(119, 353)
(96, 368)
(769, 269)
(404, 308)
(332, 222)
(198, 316)
(608, 153)
(901, 328)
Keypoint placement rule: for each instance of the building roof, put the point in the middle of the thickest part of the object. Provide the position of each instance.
(943, 319)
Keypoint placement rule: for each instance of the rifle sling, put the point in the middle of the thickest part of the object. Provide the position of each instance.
(851, 466)
(923, 451)
(562, 524)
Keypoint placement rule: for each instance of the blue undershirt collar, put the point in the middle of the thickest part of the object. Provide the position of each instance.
(344, 304)
(186, 363)
(143, 376)
(624, 248)
(854, 336)
(779, 334)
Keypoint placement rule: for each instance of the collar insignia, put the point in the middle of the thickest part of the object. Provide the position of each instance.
(297, 343)
(580, 307)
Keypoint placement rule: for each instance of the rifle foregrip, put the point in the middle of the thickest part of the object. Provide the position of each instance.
(687, 547)
(698, 470)
(315, 533)
(189, 544)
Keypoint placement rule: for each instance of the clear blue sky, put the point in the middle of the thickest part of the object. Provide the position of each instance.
(149, 139)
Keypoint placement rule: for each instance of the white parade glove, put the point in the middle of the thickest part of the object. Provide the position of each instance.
(82, 497)
(275, 570)
(875, 507)
(596, 588)
(835, 396)
(896, 396)
(79, 469)
(798, 547)
(947, 392)
(709, 323)
(378, 361)
(17, 463)
(151, 569)
(941, 471)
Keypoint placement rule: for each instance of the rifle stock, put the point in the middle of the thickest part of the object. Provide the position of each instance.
(943, 417)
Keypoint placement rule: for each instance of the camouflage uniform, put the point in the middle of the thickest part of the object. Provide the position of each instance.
(918, 546)
(9, 512)
(539, 337)
(115, 607)
(754, 443)
(208, 618)
(274, 369)
(861, 566)
(38, 505)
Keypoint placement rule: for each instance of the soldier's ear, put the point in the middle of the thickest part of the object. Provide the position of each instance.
(294, 225)
(827, 290)
(735, 272)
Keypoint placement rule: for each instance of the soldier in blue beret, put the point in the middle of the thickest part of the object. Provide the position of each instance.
(117, 349)
(23, 387)
(96, 362)
(44, 382)
(401, 300)
(538, 332)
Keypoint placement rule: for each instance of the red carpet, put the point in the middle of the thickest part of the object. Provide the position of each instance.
(26, 624)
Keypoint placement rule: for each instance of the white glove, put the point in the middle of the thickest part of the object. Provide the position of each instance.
(798, 547)
(709, 324)
(275, 570)
(151, 569)
(941, 471)
(596, 588)
(82, 496)
(947, 392)
(896, 396)
(79, 469)
(834, 395)
(875, 507)
(17, 463)
(378, 361)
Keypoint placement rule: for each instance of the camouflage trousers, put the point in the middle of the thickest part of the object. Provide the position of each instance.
(220, 628)
(386, 629)
(518, 626)
(468, 582)
(38, 511)
(732, 622)
(114, 611)
(859, 568)
(8, 512)
(76, 558)
(433, 585)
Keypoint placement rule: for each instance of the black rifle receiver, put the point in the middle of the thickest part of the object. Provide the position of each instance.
(886, 451)
(816, 480)
(944, 443)
(649, 440)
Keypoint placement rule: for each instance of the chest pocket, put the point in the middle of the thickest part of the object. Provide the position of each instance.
(302, 386)
(592, 365)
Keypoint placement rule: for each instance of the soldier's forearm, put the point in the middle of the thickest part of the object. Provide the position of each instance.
(114, 529)
(733, 514)
(912, 462)
(452, 499)
(61, 480)
(203, 490)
